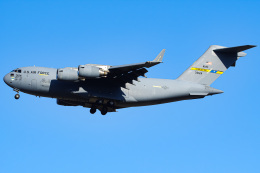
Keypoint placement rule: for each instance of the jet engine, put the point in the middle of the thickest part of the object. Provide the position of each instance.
(68, 73)
(89, 71)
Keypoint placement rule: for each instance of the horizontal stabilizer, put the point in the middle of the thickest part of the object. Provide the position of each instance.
(211, 91)
(234, 49)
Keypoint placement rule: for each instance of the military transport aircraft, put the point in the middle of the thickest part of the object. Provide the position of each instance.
(107, 88)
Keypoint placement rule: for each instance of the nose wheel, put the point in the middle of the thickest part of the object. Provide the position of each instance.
(17, 96)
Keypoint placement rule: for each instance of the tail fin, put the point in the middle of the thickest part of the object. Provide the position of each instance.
(214, 62)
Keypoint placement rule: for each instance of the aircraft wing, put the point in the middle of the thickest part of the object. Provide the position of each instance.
(131, 72)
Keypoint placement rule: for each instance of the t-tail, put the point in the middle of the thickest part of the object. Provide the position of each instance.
(213, 63)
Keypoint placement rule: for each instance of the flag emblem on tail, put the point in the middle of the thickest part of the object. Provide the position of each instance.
(208, 63)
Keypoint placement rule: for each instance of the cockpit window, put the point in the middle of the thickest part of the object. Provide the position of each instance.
(17, 71)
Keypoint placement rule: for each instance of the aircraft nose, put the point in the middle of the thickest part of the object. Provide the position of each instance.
(7, 79)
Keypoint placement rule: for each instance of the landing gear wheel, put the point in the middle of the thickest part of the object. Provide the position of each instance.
(93, 110)
(17, 96)
(104, 111)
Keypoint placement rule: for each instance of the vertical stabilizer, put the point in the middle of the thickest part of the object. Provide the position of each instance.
(213, 63)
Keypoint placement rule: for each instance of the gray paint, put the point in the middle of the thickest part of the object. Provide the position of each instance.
(42, 81)
(216, 58)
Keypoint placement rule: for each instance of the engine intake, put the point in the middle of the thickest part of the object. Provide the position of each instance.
(89, 71)
(68, 73)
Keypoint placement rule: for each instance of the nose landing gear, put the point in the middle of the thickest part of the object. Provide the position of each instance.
(17, 96)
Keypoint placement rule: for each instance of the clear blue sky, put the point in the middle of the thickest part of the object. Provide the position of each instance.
(212, 135)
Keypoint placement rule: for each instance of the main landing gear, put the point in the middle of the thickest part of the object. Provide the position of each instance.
(17, 96)
(93, 110)
(104, 109)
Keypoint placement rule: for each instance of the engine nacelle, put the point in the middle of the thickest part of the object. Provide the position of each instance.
(89, 71)
(67, 74)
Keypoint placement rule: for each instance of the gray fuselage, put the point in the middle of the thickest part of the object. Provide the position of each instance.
(41, 81)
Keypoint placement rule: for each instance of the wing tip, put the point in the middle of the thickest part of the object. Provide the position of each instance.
(159, 57)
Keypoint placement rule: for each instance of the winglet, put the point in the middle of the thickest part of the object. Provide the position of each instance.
(159, 56)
